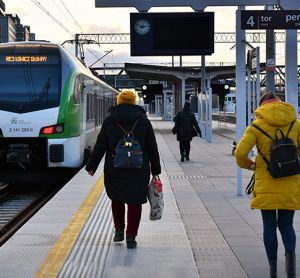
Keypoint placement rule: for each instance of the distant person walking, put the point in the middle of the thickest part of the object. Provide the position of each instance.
(186, 127)
(279, 197)
(126, 185)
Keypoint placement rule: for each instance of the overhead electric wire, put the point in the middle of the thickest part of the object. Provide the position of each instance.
(38, 4)
(93, 53)
(66, 16)
(61, 1)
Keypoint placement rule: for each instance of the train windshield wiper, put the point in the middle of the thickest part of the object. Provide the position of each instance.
(44, 93)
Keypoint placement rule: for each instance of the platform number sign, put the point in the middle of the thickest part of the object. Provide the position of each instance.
(250, 21)
(264, 19)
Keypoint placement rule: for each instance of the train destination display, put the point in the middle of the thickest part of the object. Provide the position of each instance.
(24, 59)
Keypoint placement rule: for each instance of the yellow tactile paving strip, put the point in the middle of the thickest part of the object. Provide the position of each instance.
(56, 257)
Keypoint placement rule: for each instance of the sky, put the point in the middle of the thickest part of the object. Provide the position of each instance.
(86, 18)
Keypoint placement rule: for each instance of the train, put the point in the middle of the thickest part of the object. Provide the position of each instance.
(51, 110)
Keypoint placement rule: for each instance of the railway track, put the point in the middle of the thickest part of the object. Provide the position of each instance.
(19, 203)
(225, 118)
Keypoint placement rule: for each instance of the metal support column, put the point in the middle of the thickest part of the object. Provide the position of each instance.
(270, 59)
(202, 74)
(182, 92)
(240, 90)
(291, 59)
(76, 45)
(258, 89)
(248, 97)
(209, 112)
(165, 103)
(254, 95)
(201, 109)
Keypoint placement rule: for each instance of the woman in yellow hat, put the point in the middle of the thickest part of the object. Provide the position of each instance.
(126, 185)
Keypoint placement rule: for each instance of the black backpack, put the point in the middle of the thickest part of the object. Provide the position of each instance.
(284, 160)
(129, 153)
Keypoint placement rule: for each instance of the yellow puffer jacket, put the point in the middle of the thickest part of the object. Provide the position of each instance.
(270, 193)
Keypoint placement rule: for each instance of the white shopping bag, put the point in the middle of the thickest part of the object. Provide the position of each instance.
(155, 197)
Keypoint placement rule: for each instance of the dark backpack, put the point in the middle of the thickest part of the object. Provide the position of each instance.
(284, 160)
(129, 153)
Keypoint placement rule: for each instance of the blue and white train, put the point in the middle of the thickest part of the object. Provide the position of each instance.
(51, 109)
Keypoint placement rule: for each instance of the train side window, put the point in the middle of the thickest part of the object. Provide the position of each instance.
(89, 106)
(98, 109)
(78, 89)
(233, 99)
(101, 111)
(229, 98)
(94, 98)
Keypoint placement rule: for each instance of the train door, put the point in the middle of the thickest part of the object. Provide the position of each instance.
(79, 98)
(87, 103)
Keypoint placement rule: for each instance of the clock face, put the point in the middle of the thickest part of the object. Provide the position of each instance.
(142, 26)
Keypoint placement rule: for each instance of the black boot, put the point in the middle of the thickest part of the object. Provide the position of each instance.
(273, 270)
(182, 157)
(290, 264)
(187, 157)
(119, 235)
(130, 242)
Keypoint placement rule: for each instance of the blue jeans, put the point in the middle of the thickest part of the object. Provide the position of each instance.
(284, 220)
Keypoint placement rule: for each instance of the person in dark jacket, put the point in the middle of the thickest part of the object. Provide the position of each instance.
(126, 185)
(186, 127)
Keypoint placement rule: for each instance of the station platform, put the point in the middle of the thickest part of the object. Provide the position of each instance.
(206, 229)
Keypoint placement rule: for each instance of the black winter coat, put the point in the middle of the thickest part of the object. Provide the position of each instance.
(185, 122)
(126, 185)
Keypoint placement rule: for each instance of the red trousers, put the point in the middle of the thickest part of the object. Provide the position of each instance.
(134, 213)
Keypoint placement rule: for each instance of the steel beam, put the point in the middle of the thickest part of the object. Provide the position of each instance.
(197, 5)
(220, 37)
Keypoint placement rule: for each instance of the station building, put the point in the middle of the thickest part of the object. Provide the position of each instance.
(11, 29)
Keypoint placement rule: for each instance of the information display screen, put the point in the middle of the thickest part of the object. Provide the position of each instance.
(172, 34)
(181, 33)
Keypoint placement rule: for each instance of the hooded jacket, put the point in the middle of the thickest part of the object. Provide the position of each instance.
(185, 124)
(126, 185)
(270, 193)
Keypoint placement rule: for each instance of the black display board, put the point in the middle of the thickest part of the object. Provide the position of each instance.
(167, 34)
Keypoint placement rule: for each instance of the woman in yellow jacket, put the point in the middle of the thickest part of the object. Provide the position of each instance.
(276, 198)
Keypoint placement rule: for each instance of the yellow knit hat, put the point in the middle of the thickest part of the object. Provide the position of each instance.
(126, 97)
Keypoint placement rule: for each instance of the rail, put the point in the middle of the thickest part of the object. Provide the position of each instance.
(17, 206)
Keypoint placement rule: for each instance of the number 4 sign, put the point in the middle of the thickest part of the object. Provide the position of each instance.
(250, 21)
(264, 19)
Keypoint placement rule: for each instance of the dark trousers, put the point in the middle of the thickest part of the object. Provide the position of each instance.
(134, 213)
(284, 220)
(185, 147)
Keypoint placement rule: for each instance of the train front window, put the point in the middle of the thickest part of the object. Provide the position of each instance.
(29, 83)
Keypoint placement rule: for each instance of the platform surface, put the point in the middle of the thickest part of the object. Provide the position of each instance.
(206, 230)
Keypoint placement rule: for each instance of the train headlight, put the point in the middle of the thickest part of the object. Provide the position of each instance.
(52, 129)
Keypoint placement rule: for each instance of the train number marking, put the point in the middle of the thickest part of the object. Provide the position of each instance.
(23, 129)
